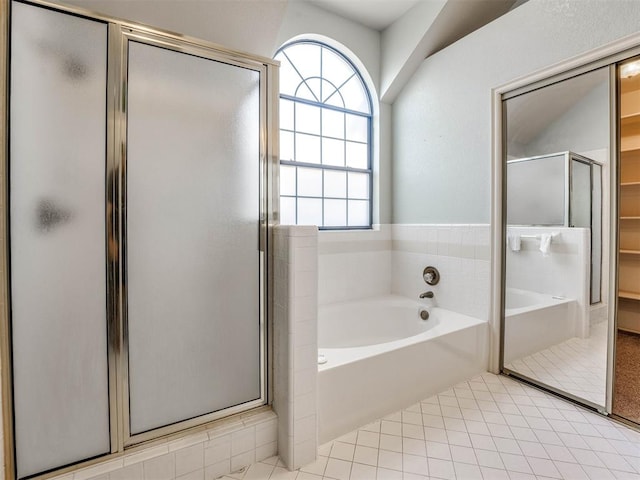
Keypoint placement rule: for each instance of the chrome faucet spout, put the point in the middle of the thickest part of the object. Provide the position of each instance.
(428, 294)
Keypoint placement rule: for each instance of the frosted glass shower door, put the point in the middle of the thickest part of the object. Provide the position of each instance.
(57, 233)
(193, 213)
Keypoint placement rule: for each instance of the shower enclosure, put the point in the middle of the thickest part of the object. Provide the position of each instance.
(138, 175)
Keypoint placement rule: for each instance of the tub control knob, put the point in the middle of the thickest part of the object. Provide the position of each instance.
(431, 275)
(424, 315)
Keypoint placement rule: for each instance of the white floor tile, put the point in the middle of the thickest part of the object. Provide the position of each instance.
(362, 472)
(366, 455)
(338, 469)
(491, 428)
(391, 442)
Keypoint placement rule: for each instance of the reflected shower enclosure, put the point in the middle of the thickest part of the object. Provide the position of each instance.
(139, 215)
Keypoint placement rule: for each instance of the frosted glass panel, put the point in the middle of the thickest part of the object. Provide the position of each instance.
(357, 155)
(333, 152)
(358, 185)
(335, 70)
(307, 118)
(307, 148)
(193, 260)
(286, 146)
(355, 96)
(57, 207)
(335, 213)
(309, 211)
(309, 182)
(287, 211)
(335, 183)
(286, 114)
(306, 58)
(332, 123)
(580, 195)
(536, 191)
(357, 128)
(358, 213)
(287, 180)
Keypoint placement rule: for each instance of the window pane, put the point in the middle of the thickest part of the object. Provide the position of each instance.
(289, 78)
(309, 211)
(286, 146)
(358, 213)
(332, 123)
(287, 180)
(307, 148)
(335, 184)
(335, 213)
(286, 114)
(357, 155)
(354, 95)
(307, 118)
(334, 69)
(335, 100)
(306, 58)
(303, 91)
(357, 128)
(287, 211)
(358, 185)
(310, 182)
(332, 152)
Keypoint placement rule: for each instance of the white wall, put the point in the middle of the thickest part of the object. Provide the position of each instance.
(261, 27)
(563, 272)
(442, 119)
(584, 127)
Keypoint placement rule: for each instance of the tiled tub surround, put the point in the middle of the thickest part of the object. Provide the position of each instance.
(354, 264)
(361, 383)
(295, 342)
(229, 446)
(461, 255)
(563, 272)
(390, 258)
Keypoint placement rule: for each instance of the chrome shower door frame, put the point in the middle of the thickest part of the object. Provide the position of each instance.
(147, 37)
(120, 32)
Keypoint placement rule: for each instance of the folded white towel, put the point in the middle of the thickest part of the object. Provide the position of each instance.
(545, 244)
(514, 242)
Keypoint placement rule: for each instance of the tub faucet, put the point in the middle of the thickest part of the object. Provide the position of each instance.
(428, 294)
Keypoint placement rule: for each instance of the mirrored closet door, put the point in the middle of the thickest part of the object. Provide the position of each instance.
(556, 235)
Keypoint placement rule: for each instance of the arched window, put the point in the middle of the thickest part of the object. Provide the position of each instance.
(325, 139)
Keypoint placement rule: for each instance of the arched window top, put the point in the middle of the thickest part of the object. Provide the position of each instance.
(318, 73)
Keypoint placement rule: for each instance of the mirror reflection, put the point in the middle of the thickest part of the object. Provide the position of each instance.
(556, 235)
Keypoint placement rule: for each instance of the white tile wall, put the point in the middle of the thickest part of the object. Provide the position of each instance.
(390, 259)
(461, 255)
(226, 447)
(354, 264)
(296, 342)
(565, 271)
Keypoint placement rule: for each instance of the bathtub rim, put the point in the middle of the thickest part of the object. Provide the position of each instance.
(341, 356)
(545, 300)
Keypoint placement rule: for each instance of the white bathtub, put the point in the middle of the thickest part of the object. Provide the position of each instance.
(404, 361)
(536, 321)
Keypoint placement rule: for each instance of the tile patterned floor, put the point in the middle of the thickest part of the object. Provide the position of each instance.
(577, 366)
(490, 428)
